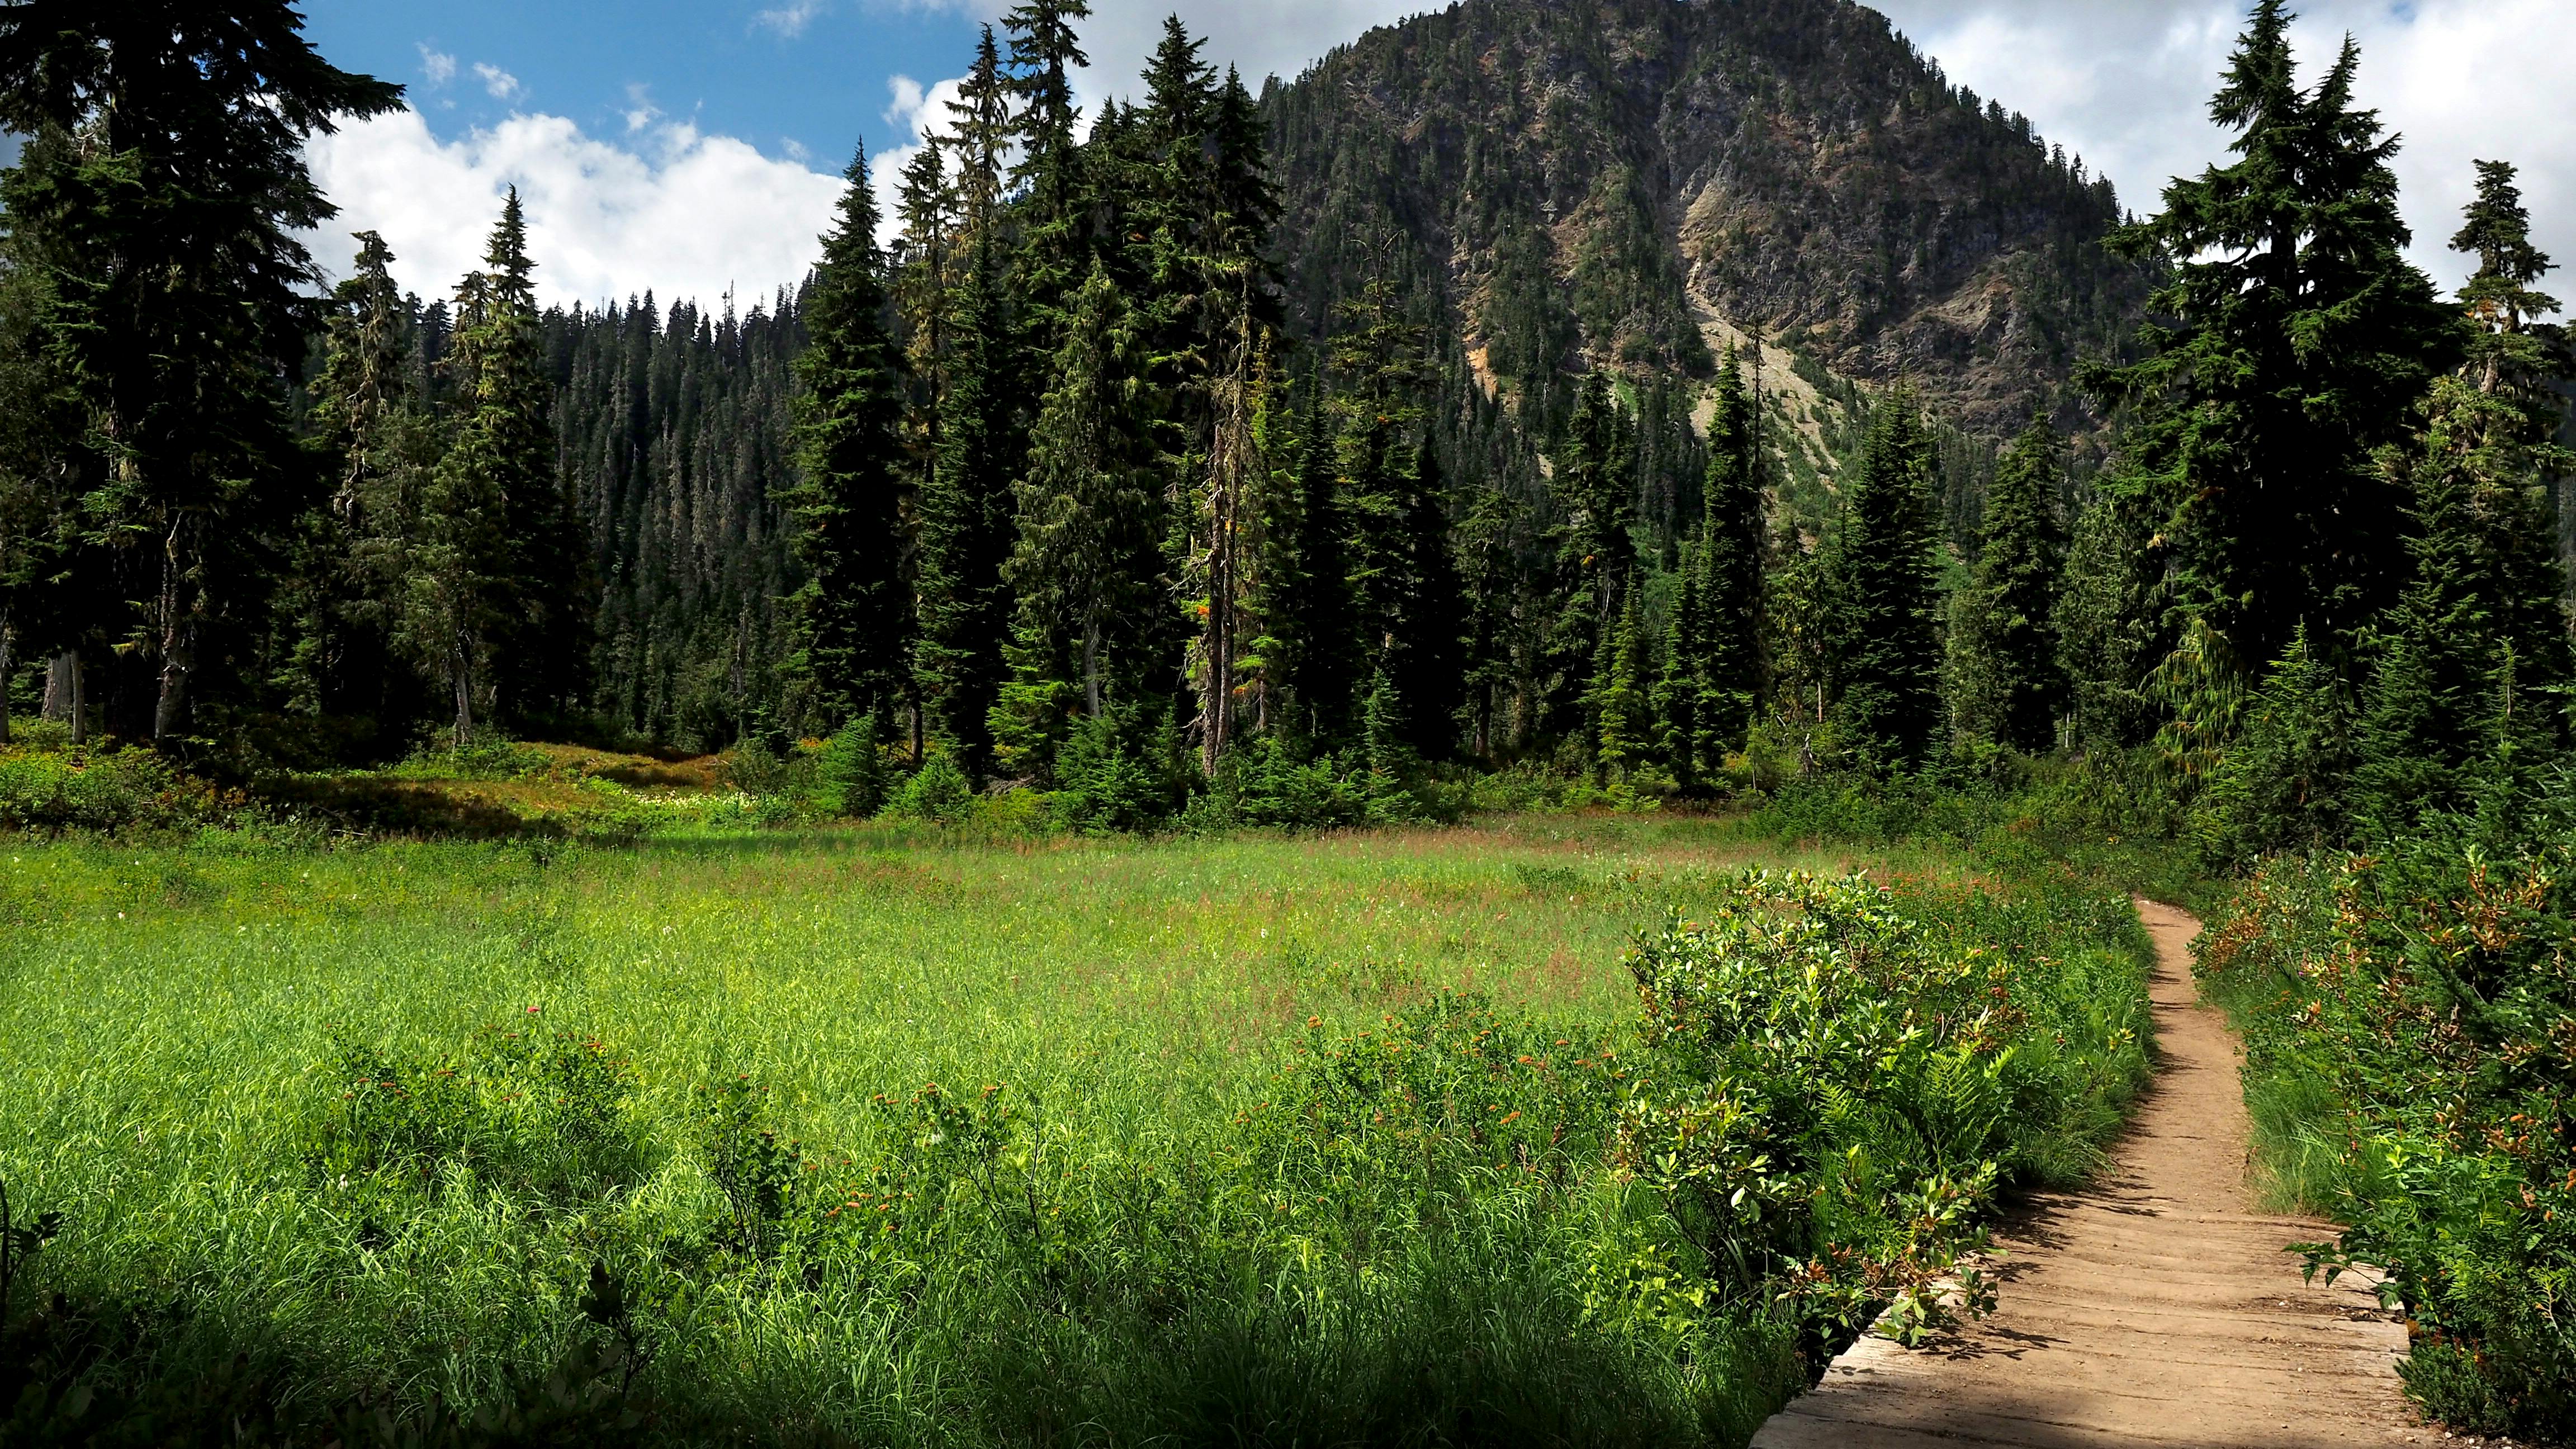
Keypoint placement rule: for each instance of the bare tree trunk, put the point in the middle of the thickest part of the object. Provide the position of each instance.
(460, 672)
(178, 634)
(8, 639)
(1091, 664)
(63, 694)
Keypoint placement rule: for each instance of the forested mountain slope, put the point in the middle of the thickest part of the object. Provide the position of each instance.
(1612, 179)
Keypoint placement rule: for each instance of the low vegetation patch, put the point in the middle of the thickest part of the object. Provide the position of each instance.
(877, 1137)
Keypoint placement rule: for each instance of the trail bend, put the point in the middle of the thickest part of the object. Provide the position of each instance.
(2155, 1307)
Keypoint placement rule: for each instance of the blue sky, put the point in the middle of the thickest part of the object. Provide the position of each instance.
(694, 146)
(808, 89)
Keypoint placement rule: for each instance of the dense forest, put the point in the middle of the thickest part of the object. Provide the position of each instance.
(1091, 481)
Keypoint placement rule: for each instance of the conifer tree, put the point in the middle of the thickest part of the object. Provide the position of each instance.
(1727, 653)
(1087, 566)
(1682, 708)
(154, 216)
(504, 455)
(1889, 677)
(2006, 685)
(1048, 171)
(853, 623)
(1311, 599)
(2480, 628)
(1595, 557)
(1620, 702)
(966, 521)
(2301, 337)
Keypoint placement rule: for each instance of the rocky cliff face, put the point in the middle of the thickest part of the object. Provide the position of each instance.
(1626, 182)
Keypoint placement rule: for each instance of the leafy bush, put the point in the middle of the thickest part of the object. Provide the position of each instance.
(104, 790)
(2410, 1026)
(1841, 1078)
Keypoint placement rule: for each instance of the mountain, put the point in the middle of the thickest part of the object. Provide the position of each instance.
(1633, 183)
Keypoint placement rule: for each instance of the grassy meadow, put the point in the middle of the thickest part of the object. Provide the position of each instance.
(890, 1136)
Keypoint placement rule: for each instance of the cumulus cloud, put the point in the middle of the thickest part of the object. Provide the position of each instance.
(2127, 84)
(679, 212)
(438, 67)
(499, 83)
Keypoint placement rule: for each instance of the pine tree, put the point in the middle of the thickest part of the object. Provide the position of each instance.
(1620, 702)
(966, 514)
(2301, 337)
(2481, 619)
(1595, 557)
(1726, 647)
(155, 216)
(1889, 679)
(1682, 708)
(2005, 680)
(1087, 565)
(853, 626)
(504, 450)
(1050, 260)
(1312, 601)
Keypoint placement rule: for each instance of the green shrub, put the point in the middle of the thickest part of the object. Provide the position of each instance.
(938, 792)
(849, 772)
(2410, 1028)
(104, 790)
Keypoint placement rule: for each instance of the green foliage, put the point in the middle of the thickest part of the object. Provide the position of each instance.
(1887, 681)
(2283, 785)
(828, 1194)
(938, 792)
(108, 790)
(2006, 683)
(852, 619)
(2299, 339)
(850, 773)
(2410, 1018)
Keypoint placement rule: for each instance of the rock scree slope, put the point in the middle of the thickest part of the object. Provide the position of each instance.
(2154, 1308)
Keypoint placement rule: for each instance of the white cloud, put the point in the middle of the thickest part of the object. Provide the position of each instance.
(500, 83)
(440, 68)
(905, 109)
(640, 110)
(2127, 83)
(789, 21)
(921, 110)
(676, 211)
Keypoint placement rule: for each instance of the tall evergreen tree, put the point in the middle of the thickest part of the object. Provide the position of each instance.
(1087, 566)
(853, 623)
(1727, 652)
(155, 217)
(2006, 685)
(1310, 599)
(505, 440)
(1595, 556)
(2300, 339)
(1889, 679)
(2481, 626)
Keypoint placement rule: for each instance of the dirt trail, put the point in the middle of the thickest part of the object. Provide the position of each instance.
(2154, 1308)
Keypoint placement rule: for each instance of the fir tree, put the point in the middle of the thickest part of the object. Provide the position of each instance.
(1312, 602)
(1595, 557)
(1620, 701)
(1726, 654)
(2300, 339)
(2006, 683)
(1682, 708)
(155, 215)
(1889, 678)
(1087, 565)
(852, 620)
(504, 452)
(2480, 627)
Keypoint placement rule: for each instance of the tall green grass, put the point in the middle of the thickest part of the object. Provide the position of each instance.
(885, 1136)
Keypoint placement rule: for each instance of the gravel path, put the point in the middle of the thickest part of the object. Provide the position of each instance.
(2154, 1308)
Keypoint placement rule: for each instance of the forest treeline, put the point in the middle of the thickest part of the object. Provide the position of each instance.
(1050, 490)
